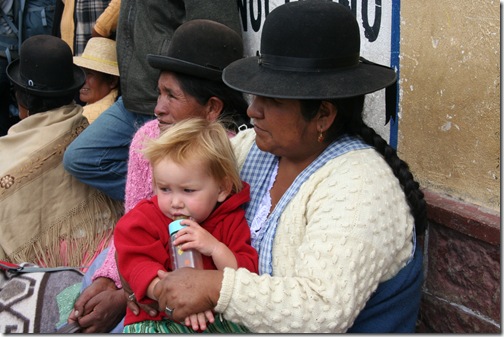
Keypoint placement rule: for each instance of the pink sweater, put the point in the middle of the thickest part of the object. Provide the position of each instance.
(138, 187)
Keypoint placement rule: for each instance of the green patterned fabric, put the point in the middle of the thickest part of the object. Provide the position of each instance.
(169, 326)
(66, 300)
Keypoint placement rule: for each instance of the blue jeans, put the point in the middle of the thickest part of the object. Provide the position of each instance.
(99, 155)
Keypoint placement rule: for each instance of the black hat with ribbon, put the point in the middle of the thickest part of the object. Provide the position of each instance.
(45, 68)
(311, 50)
(200, 48)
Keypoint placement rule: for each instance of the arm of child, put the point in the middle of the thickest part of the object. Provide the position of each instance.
(150, 289)
(199, 321)
(223, 257)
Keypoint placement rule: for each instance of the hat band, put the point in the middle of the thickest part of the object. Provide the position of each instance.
(29, 83)
(306, 64)
(101, 60)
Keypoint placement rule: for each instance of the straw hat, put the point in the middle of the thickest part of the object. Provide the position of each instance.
(99, 55)
(45, 68)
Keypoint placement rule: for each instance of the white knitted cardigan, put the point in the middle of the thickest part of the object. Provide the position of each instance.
(348, 229)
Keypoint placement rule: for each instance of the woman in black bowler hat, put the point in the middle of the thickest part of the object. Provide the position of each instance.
(44, 210)
(334, 212)
(189, 85)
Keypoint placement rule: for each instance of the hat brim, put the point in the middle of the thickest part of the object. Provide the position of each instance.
(13, 73)
(248, 76)
(96, 65)
(179, 66)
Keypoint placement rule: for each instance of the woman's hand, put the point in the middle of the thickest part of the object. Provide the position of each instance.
(188, 291)
(100, 307)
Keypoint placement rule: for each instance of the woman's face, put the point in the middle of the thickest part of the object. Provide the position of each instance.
(96, 87)
(281, 129)
(174, 104)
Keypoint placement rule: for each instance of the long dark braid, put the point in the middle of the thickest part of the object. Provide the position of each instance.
(349, 120)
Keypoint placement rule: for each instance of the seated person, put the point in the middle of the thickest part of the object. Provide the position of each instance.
(189, 85)
(48, 217)
(195, 177)
(334, 212)
(101, 88)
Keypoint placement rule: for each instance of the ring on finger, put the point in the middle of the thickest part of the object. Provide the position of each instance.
(169, 312)
(131, 297)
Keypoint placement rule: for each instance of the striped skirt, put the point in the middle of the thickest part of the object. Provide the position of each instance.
(169, 326)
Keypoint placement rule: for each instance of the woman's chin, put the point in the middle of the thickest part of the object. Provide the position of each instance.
(85, 99)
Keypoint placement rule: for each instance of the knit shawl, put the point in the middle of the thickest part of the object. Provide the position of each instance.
(46, 215)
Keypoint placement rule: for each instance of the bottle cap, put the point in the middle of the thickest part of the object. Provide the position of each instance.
(175, 226)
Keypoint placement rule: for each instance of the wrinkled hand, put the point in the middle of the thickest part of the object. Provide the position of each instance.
(188, 291)
(100, 307)
(132, 303)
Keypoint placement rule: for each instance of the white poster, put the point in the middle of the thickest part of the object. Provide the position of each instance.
(379, 30)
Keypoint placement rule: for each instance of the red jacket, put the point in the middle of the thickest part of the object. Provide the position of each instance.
(141, 238)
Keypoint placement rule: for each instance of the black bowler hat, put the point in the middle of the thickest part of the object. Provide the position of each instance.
(45, 68)
(309, 50)
(200, 48)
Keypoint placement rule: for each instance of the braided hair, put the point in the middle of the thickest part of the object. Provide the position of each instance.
(349, 121)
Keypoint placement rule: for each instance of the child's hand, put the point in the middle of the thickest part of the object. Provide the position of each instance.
(193, 236)
(198, 321)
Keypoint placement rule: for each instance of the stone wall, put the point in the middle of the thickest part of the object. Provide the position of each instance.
(462, 289)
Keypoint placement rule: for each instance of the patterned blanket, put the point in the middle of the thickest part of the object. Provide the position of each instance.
(29, 301)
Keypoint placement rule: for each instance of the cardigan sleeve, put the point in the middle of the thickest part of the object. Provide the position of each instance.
(138, 187)
(139, 177)
(348, 229)
(108, 268)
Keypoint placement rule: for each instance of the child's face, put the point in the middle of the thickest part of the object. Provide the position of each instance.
(187, 189)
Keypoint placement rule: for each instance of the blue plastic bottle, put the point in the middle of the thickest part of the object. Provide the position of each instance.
(183, 258)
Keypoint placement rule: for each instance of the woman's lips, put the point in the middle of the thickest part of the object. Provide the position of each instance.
(257, 128)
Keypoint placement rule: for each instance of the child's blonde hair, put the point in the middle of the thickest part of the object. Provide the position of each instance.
(200, 139)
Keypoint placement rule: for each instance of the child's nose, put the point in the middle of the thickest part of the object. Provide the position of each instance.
(177, 202)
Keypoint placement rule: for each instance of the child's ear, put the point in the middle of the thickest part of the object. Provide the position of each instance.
(225, 189)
